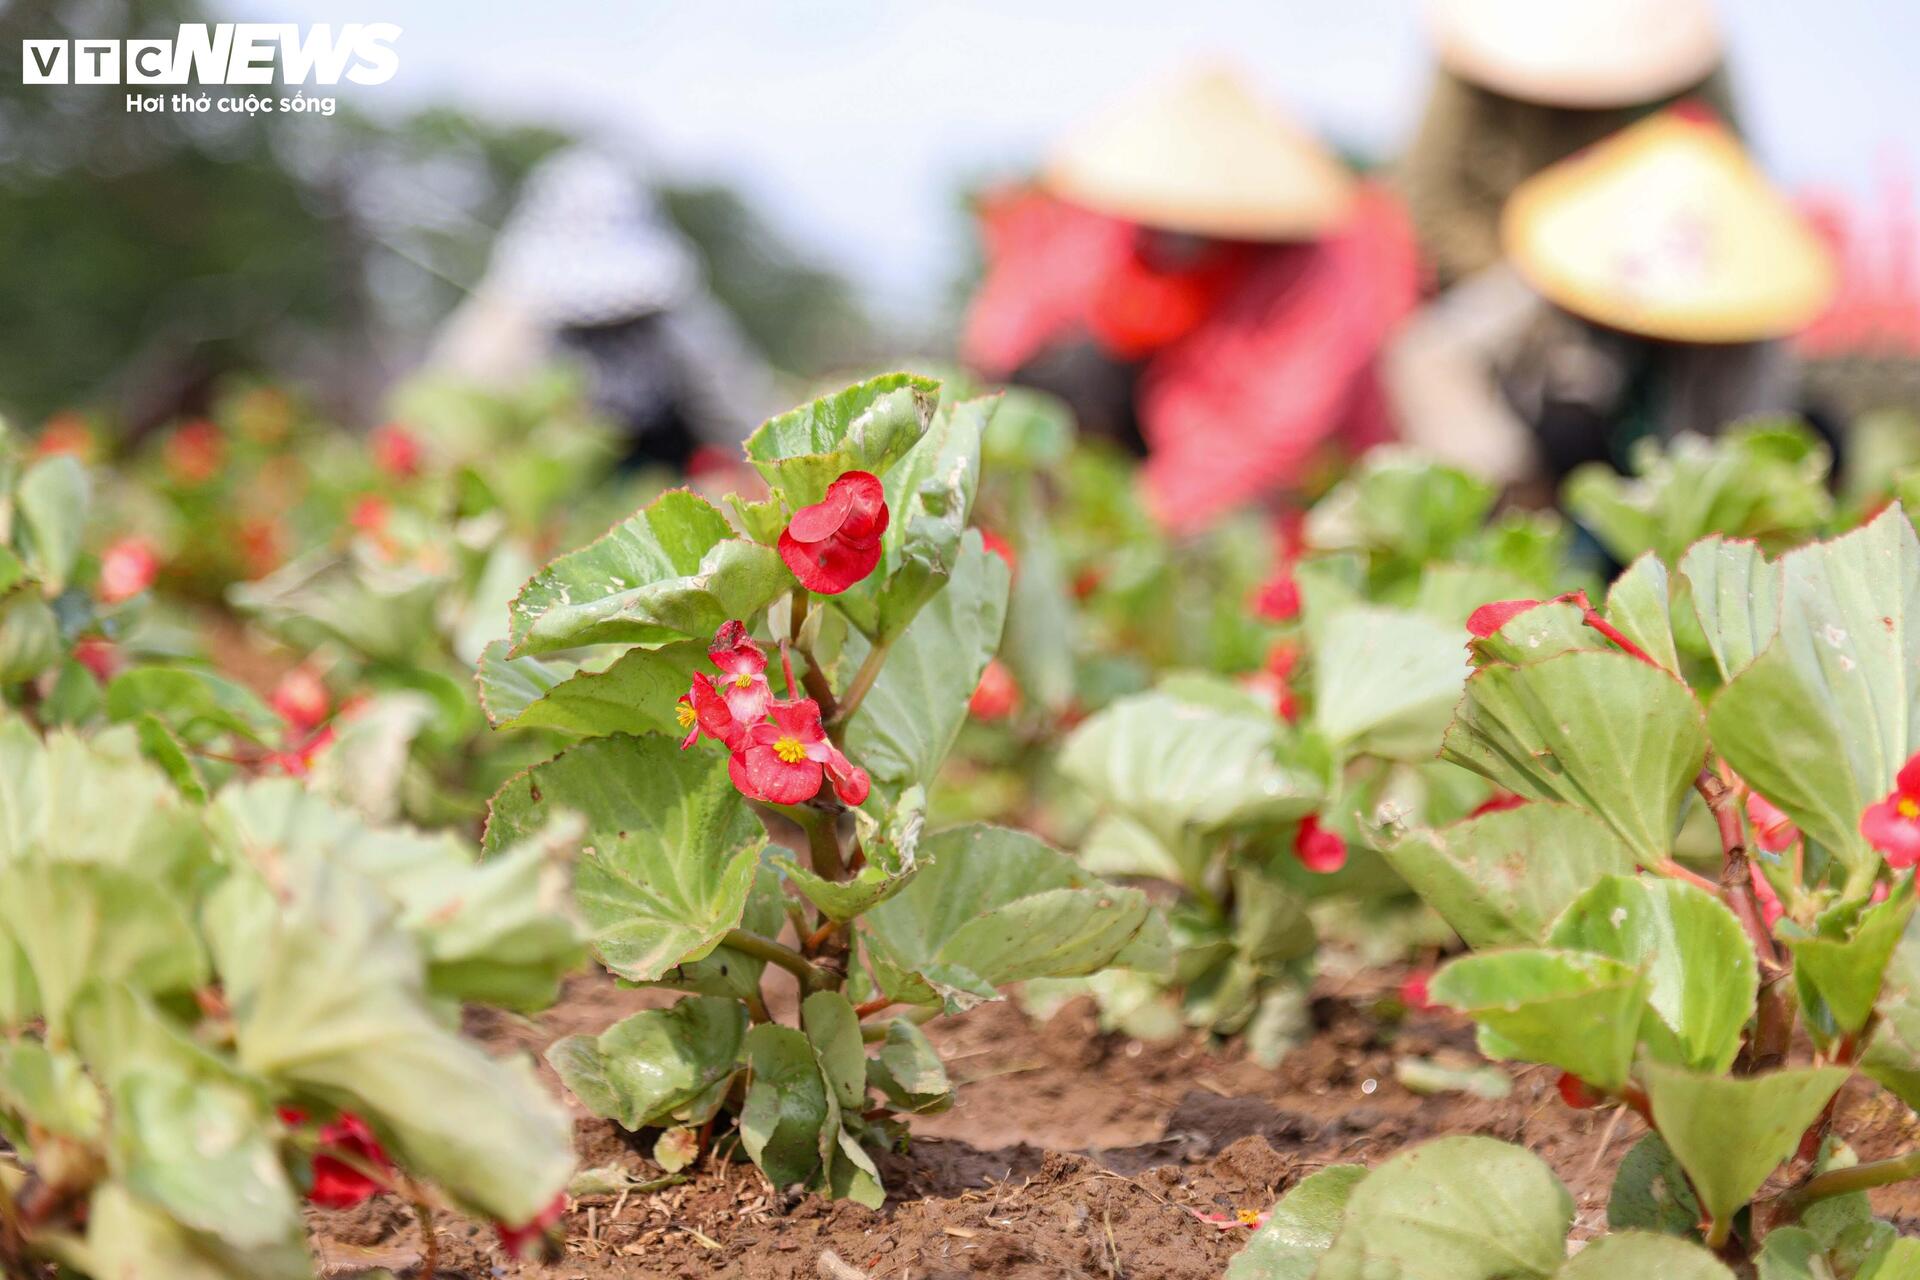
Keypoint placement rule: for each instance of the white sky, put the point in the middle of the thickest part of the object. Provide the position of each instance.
(854, 122)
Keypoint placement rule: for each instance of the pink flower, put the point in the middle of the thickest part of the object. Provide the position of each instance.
(703, 709)
(300, 698)
(1770, 909)
(338, 1184)
(996, 696)
(836, 542)
(1320, 849)
(1772, 829)
(784, 762)
(1489, 618)
(195, 452)
(127, 568)
(1413, 991)
(1893, 825)
(1000, 547)
(744, 667)
(395, 451)
(369, 514)
(1278, 599)
(515, 1240)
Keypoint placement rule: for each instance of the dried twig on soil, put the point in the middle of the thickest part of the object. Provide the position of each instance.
(832, 1266)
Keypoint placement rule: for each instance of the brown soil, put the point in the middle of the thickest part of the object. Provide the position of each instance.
(1069, 1155)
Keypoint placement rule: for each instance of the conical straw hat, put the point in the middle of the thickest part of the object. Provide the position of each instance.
(1667, 229)
(1578, 53)
(1205, 155)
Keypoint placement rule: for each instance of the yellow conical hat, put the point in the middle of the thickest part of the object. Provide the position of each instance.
(1205, 155)
(1667, 229)
(1578, 53)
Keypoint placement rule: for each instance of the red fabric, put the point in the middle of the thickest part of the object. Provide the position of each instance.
(1231, 404)
(1285, 365)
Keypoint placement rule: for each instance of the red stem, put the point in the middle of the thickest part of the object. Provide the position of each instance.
(1591, 616)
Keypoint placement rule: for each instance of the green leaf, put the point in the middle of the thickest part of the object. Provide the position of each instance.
(1301, 1227)
(1386, 682)
(669, 852)
(903, 729)
(52, 499)
(1691, 947)
(1730, 1132)
(165, 752)
(866, 427)
(674, 570)
(78, 922)
(1175, 767)
(1602, 731)
(1453, 1209)
(201, 1151)
(929, 499)
(647, 1067)
(495, 931)
(94, 800)
(1736, 596)
(1847, 973)
(1822, 720)
(908, 1071)
(129, 1239)
(1766, 481)
(786, 1109)
(1578, 1012)
(1638, 1253)
(1502, 878)
(1041, 625)
(197, 705)
(335, 1005)
(1399, 504)
(1637, 603)
(29, 637)
(1651, 1192)
(51, 1087)
(833, 1028)
(1534, 635)
(639, 692)
(994, 906)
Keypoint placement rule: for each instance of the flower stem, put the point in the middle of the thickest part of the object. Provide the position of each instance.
(813, 677)
(810, 977)
(1838, 1182)
(1736, 886)
(863, 681)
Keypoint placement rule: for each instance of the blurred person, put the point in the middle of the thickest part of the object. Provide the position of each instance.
(1203, 282)
(1647, 287)
(1522, 84)
(589, 271)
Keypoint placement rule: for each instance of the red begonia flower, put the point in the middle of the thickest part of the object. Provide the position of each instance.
(1489, 618)
(515, 1240)
(703, 709)
(784, 762)
(1282, 658)
(1772, 829)
(297, 761)
(1771, 910)
(300, 698)
(996, 696)
(744, 682)
(1413, 991)
(98, 656)
(1320, 849)
(1000, 547)
(836, 542)
(369, 514)
(1577, 1094)
(127, 568)
(194, 452)
(395, 451)
(65, 433)
(336, 1183)
(1893, 825)
(1278, 599)
(1497, 802)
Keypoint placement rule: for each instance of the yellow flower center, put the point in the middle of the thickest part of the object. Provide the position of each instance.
(1908, 807)
(684, 713)
(743, 681)
(789, 750)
